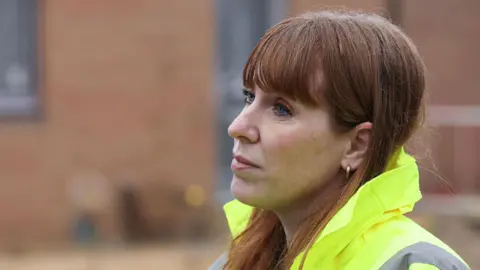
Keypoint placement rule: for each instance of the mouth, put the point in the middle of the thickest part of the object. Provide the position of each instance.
(241, 163)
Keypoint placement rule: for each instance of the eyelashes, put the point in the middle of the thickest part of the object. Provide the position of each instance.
(281, 110)
(248, 96)
(279, 107)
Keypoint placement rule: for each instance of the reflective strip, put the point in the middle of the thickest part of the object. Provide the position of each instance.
(219, 263)
(425, 253)
(422, 266)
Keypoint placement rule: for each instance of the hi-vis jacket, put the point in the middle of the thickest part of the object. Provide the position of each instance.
(371, 231)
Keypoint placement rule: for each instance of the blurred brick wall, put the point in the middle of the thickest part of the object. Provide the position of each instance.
(127, 93)
(448, 37)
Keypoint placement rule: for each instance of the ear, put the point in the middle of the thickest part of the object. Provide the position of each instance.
(357, 147)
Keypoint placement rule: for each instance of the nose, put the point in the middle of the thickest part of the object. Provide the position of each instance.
(243, 128)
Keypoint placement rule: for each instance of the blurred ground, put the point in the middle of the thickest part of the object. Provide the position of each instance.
(188, 256)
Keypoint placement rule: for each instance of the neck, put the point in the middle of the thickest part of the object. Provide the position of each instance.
(299, 212)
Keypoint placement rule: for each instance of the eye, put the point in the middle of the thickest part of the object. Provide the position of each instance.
(248, 96)
(281, 110)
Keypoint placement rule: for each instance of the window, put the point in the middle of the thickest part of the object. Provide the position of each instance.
(240, 25)
(18, 81)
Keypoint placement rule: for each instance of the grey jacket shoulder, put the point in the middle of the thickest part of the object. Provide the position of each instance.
(425, 253)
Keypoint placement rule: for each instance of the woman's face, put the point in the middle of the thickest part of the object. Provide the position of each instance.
(283, 151)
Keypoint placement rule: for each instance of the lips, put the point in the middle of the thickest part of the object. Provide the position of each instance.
(242, 163)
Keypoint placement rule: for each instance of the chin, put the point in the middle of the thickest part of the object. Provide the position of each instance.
(253, 194)
(245, 192)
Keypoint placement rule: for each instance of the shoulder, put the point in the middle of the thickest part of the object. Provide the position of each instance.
(424, 256)
(405, 245)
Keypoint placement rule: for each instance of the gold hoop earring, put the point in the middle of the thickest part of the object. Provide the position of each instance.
(348, 171)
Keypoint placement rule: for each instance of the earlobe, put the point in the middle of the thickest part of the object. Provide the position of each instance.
(358, 147)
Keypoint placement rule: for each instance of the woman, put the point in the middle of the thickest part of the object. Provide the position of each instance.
(321, 179)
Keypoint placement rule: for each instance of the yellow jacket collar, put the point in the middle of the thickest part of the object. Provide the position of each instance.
(396, 191)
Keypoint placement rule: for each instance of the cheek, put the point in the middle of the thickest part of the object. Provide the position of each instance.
(281, 142)
(305, 156)
(282, 149)
(296, 145)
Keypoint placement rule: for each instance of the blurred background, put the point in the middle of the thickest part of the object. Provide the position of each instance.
(113, 115)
